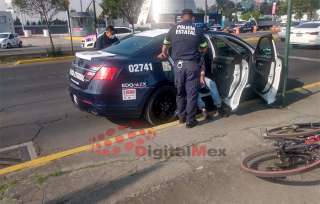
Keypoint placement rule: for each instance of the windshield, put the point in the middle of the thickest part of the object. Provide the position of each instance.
(309, 25)
(131, 45)
(4, 35)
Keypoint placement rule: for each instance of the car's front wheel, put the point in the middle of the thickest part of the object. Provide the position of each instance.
(20, 45)
(161, 107)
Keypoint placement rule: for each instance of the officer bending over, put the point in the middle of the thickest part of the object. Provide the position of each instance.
(186, 39)
(107, 39)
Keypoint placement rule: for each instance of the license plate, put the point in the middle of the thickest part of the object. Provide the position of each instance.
(75, 99)
(76, 75)
(299, 34)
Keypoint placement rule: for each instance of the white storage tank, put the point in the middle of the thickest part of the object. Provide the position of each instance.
(163, 11)
(173, 6)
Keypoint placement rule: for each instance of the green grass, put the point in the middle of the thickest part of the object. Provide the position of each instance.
(6, 187)
(41, 179)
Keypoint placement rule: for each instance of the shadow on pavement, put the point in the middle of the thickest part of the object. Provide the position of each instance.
(291, 97)
(311, 178)
(101, 191)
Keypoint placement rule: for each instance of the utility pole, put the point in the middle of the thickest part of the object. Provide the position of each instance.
(206, 11)
(95, 17)
(81, 5)
(286, 53)
(70, 31)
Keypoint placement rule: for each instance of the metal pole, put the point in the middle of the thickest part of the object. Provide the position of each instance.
(81, 5)
(95, 17)
(70, 31)
(206, 11)
(286, 53)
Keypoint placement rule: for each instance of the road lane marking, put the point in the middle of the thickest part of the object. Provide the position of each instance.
(305, 58)
(86, 148)
(40, 161)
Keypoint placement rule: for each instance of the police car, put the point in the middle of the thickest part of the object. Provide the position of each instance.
(127, 80)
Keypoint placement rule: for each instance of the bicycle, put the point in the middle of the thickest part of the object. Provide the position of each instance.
(297, 151)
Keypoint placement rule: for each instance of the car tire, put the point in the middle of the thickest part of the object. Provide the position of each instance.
(20, 45)
(161, 106)
(8, 45)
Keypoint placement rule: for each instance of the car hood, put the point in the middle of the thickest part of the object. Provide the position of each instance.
(2, 39)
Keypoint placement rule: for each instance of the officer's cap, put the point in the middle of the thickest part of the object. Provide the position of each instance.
(187, 12)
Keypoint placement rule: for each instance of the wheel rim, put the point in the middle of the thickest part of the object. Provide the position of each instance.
(296, 130)
(268, 163)
(164, 107)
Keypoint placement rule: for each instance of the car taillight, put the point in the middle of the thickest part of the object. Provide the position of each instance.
(313, 33)
(106, 73)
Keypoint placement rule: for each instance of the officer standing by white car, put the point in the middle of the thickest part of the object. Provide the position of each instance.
(186, 39)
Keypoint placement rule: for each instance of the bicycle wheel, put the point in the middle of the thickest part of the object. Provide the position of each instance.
(295, 130)
(267, 164)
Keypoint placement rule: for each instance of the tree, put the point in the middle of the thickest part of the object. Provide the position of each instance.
(248, 14)
(200, 10)
(17, 21)
(45, 8)
(300, 7)
(248, 5)
(122, 8)
(266, 8)
(282, 7)
(227, 7)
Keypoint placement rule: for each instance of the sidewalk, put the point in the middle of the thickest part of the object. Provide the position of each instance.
(125, 178)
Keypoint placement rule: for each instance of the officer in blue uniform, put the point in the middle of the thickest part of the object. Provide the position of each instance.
(186, 41)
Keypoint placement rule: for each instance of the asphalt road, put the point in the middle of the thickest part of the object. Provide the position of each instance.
(35, 105)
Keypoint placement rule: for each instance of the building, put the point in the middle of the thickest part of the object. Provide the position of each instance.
(163, 11)
(6, 22)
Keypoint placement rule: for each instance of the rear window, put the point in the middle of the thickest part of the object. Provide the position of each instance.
(122, 30)
(309, 25)
(4, 35)
(132, 45)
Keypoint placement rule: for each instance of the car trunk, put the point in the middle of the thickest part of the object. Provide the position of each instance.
(85, 67)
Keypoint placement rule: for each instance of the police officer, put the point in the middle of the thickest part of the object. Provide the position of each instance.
(186, 40)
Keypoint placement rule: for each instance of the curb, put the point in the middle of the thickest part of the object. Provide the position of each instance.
(79, 39)
(47, 59)
(41, 161)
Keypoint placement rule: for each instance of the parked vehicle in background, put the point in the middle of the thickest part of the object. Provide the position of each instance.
(306, 34)
(6, 22)
(121, 32)
(247, 27)
(215, 27)
(9, 40)
(244, 27)
(283, 28)
(265, 23)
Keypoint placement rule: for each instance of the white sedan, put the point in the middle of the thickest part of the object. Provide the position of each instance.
(8, 40)
(306, 34)
(121, 32)
(283, 29)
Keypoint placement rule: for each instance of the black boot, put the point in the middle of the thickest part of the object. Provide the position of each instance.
(192, 123)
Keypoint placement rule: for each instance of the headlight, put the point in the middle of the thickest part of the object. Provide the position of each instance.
(89, 39)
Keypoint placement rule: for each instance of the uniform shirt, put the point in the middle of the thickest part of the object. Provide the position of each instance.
(104, 41)
(185, 39)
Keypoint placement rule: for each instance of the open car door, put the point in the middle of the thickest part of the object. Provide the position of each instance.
(230, 69)
(267, 68)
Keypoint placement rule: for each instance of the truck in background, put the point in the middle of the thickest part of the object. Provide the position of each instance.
(6, 22)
